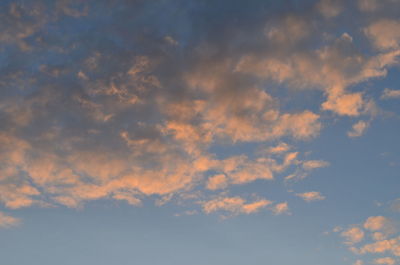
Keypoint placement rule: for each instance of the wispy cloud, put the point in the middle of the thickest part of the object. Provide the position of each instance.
(7, 221)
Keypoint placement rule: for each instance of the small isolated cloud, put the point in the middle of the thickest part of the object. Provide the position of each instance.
(358, 129)
(385, 261)
(390, 93)
(353, 235)
(313, 164)
(281, 208)
(311, 196)
(7, 221)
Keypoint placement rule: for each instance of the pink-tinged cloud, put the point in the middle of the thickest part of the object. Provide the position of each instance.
(385, 261)
(384, 34)
(7, 221)
(329, 8)
(311, 196)
(234, 205)
(383, 246)
(281, 208)
(217, 182)
(390, 93)
(353, 235)
(358, 129)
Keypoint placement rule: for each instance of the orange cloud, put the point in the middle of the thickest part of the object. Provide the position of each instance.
(353, 235)
(384, 34)
(385, 261)
(311, 196)
(234, 205)
(280, 208)
(358, 129)
(8, 221)
(217, 182)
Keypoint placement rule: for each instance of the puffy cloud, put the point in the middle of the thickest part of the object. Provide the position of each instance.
(281, 208)
(8, 221)
(382, 226)
(390, 93)
(375, 223)
(346, 104)
(377, 239)
(353, 235)
(93, 119)
(311, 196)
(385, 261)
(389, 245)
(384, 34)
(217, 182)
(332, 68)
(358, 129)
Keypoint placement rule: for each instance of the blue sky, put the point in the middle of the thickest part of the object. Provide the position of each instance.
(199, 132)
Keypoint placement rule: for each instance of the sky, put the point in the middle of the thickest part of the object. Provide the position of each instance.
(194, 132)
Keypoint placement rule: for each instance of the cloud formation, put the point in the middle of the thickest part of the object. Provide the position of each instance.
(377, 235)
(147, 108)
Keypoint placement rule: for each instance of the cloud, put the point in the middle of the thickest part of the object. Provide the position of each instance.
(375, 223)
(280, 148)
(234, 205)
(383, 225)
(217, 182)
(281, 208)
(346, 104)
(311, 196)
(378, 238)
(358, 129)
(384, 34)
(383, 246)
(313, 164)
(358, 262)
(390, 93)
(353, 235)
(329, 8)
(332, 68)
(8, 221)
(385, 261)
(147, 110)
(395, 205)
